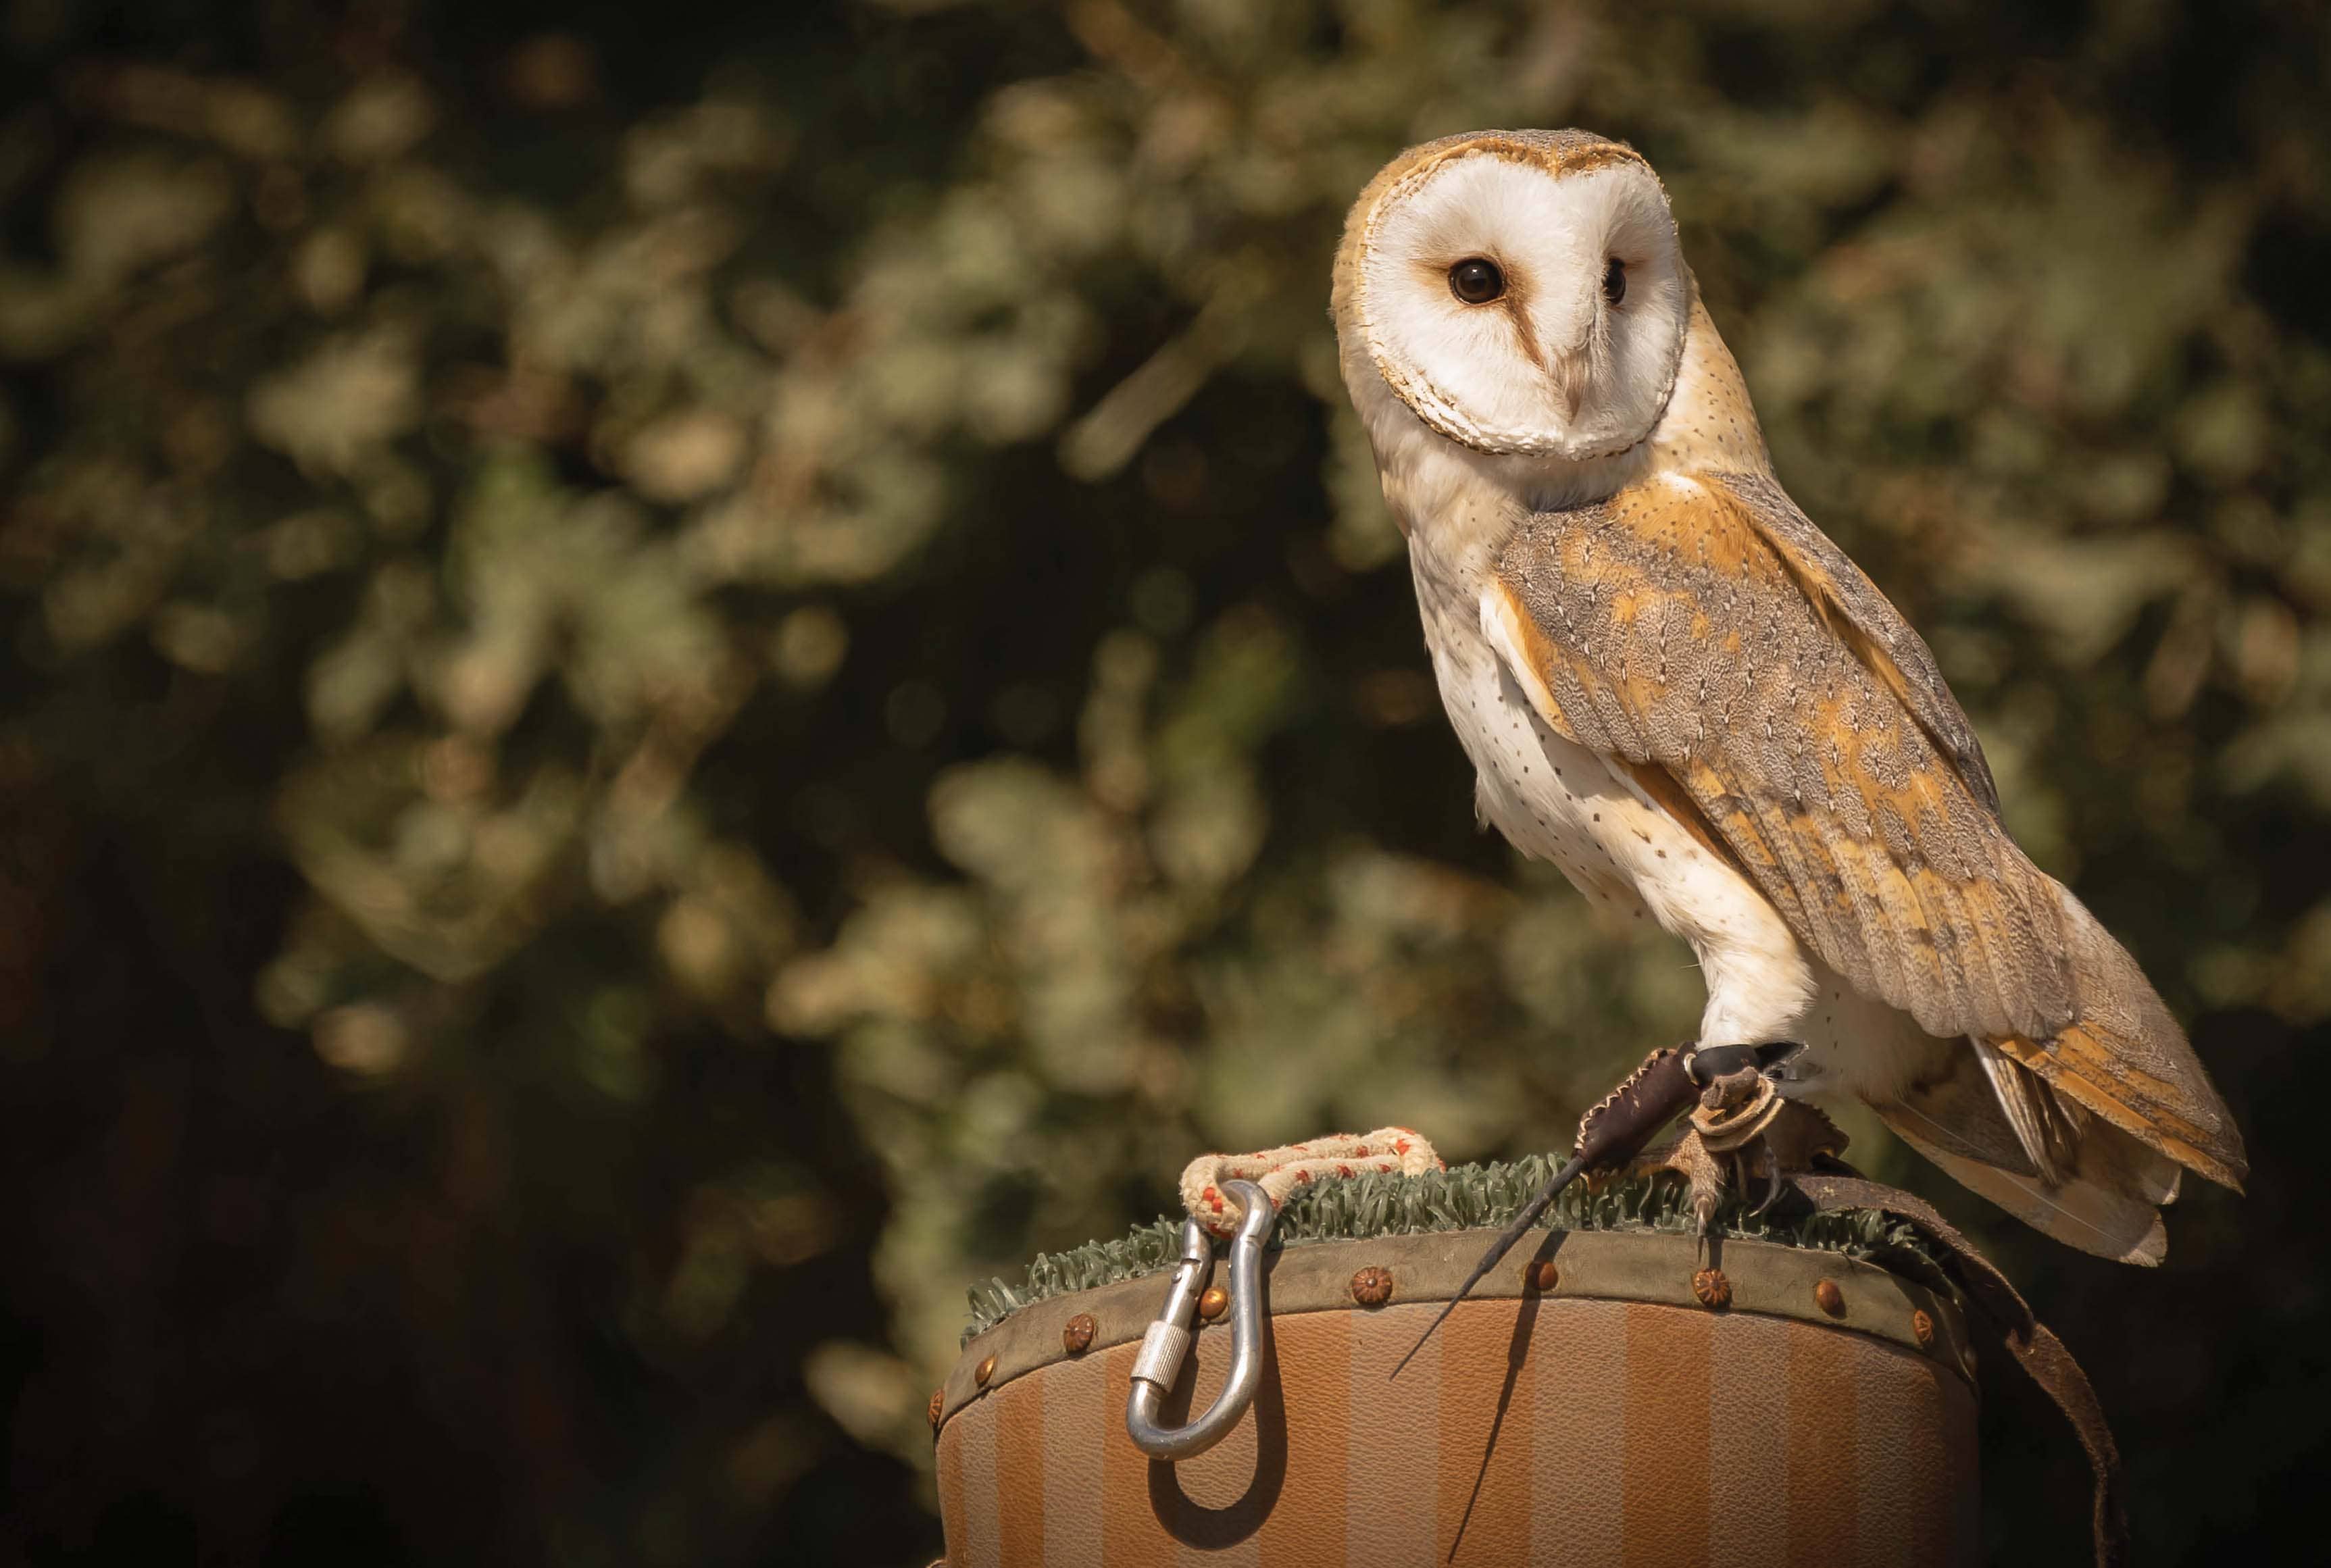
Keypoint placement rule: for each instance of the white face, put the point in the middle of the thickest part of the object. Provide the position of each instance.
(1523, 313)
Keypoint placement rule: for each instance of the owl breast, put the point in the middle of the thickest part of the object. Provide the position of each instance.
(1553, 800)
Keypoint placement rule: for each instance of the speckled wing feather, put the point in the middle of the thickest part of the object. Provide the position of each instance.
(1671, 630)
(1864, 619)
(1704, 634)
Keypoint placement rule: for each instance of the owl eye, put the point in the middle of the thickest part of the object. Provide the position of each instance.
(1476, 281)
(1614, 280)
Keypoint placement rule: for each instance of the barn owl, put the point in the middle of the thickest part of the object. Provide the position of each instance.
(1678, 690)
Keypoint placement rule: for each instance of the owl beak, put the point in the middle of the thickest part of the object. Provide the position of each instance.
(1573, 372)
(1569, 374)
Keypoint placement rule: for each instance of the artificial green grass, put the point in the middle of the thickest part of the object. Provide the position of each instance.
(1466, 1198)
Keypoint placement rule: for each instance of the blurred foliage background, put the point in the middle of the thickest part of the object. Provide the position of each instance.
(678, 676)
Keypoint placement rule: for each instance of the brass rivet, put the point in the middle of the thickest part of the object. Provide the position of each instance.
(939, 1403)
(1922, 1327)
(987, 1370)
(1544, 1277)
(1213, 1303)
(1829, 1298)
(1713, 1290)
(1077, 1335)
(1371, 1287)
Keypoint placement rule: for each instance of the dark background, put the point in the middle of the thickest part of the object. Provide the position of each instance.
(677, 676)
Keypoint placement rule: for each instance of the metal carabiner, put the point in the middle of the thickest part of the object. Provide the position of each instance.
(1167, 1343)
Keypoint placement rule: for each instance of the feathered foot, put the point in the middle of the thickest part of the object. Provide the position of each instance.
(1743, 1128)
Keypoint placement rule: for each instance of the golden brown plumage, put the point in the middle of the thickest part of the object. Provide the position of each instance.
(1672, 633)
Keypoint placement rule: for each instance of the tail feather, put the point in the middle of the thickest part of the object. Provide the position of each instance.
(2026, 1103)
(2127, 1061)
(2107, 1204)
(2082, 1135)
(1957, 1110)
(2066, 1174)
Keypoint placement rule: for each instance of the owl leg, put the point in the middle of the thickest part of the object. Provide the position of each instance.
(1703, 1171)
(1761, 985)
(1742, 1128)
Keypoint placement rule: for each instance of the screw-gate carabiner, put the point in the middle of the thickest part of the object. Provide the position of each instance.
(1167, 1343)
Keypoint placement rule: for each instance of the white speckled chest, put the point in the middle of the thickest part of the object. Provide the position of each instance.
(1553, 800)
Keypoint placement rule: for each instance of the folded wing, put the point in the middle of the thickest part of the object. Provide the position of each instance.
(1705, 632)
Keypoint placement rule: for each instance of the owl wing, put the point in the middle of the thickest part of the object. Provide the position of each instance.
(1702, 634)
(1668, 629)
(1866, 621)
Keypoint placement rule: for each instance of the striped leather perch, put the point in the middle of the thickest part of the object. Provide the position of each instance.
(1614, 1420)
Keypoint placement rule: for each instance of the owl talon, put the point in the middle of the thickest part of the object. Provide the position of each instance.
(1771, 1183)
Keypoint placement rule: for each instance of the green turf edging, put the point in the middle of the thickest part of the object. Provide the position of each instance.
(1470, 1197)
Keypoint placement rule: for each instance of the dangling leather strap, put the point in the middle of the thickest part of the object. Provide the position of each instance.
(2042, 1354)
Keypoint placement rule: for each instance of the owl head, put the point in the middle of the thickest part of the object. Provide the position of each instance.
(1521, 292)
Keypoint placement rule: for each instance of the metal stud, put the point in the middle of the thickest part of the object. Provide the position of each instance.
(1829, 1298)
(1077, 1334)
(1713, 1290)
(1544, 1276)
(1922, 1327)
(1213, 1303)
(985, 1370)
(1371, 1285)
